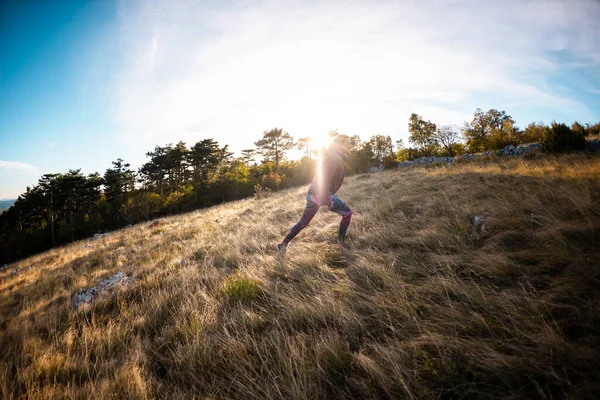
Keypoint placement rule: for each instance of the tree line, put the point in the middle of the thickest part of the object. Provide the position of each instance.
(489, 130)
(64, 207)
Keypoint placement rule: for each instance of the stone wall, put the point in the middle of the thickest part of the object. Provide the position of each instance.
(591, 146)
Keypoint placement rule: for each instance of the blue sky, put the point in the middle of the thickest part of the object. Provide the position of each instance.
(85, 82)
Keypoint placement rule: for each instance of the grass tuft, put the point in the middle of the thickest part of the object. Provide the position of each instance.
(239, 288)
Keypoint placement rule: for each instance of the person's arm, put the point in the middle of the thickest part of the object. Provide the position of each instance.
(337, 175)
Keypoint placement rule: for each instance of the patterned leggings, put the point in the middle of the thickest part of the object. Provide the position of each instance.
(335, 204)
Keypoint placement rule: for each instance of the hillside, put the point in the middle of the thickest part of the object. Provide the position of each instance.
(424, 302)
(5, 204)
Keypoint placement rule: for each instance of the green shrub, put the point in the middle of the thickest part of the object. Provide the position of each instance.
(458, 149)
(389, 162)
(403, 155)
(240, 288)
(174, 201)
(534, 132)
(559, 138)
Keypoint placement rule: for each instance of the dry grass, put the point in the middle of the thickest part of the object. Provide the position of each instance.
(421, 305)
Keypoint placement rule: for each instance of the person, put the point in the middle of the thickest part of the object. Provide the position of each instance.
(327, 181)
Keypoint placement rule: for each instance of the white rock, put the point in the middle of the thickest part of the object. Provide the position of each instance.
(88, 295)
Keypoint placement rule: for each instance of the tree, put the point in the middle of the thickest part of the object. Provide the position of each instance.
(593, 129)
(446, 136)
(92, 196)
(476, 132)
(248, 155)
(178, 162)
(382, 146)
(355, 141)
(153, 173)
(143, 204)
(578, 129)
(422, 134)
(558, 138)
(236, 179)
(204, 158)
(47, 185)
(71, 192)
(534, 132)
(361, 156)
(402, 153)
(305, 143)
(491, 130)
(274, 144)
(503, 131)
(118, 182)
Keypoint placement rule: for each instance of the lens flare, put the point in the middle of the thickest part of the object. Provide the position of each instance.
(319, 141)
(319, 144)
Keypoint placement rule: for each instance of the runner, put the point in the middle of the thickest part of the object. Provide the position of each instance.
(327, 181)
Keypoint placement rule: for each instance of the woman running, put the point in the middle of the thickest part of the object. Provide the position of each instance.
(327, 181)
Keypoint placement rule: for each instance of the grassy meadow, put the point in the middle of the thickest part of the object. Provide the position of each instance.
(423, 303)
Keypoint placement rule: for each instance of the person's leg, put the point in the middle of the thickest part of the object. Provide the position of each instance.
(338, 206)
(309, 212)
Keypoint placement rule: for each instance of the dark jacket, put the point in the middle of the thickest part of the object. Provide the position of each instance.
(329, 176)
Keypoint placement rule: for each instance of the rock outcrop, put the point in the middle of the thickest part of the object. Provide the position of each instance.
(104, 286)
(510, 150)
(591, 146)
(99, 236)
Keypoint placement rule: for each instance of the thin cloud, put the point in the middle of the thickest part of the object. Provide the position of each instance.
(196, 70)
(15, 166)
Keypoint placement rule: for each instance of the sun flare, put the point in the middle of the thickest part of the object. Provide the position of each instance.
(319, 142)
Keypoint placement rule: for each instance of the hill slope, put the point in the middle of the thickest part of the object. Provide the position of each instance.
(422, 304)
(5, 204)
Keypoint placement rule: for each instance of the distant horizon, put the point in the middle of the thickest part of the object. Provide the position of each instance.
(85, 83)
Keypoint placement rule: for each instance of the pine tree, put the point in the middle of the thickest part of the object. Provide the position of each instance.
(47, 186)
(248, 155)
(118, 182)
(274, 144)
(305, 143)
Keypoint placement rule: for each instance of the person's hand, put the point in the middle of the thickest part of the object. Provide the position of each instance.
(326, 204)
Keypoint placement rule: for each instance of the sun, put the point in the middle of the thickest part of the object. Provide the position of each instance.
(319, 142)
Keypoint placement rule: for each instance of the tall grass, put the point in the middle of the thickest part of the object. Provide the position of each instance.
(424, 302)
